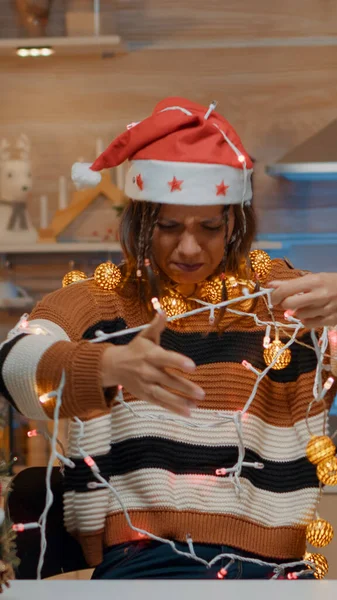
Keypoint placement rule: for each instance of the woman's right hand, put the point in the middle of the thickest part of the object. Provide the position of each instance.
(142, 367)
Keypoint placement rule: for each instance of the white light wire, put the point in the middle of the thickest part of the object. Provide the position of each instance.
(233, 472)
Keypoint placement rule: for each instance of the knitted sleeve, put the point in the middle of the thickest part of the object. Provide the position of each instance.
(31, 365)
(282, 270)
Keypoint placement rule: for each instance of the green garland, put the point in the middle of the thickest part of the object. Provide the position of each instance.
(7, 535)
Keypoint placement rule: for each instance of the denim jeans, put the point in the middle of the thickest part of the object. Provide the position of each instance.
(146, 559)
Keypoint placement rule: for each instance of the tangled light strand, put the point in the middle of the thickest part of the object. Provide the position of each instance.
(102, 483)
(234, 472)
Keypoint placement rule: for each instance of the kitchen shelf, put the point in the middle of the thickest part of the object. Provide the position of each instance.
(60, 247)
(65, 46)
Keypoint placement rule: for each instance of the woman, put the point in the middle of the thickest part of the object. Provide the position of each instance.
(162, 446)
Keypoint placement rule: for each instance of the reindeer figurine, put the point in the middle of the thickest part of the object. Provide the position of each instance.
(15, 185)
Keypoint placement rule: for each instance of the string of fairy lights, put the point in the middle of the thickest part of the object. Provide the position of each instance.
(321, 450)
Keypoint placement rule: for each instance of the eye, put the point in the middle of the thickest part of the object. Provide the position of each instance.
(167, 226)
(214, 228)
(9, 175)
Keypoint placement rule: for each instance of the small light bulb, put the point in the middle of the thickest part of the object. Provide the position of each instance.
(246, 365)
(32, 433)
(44, 398)
(46, 51)
(22, 52)
(266, 341)
(34, 52)
(328, 383)
(222, 573)
(89, 461)
(156, 305)
(221, 471)
(241, 158)
(19, 527)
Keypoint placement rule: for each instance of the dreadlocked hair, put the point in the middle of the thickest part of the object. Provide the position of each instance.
(136, 232)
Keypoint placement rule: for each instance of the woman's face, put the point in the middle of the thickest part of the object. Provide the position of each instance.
(189, 241)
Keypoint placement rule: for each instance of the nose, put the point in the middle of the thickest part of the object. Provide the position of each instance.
(24, 188)
(188, 246)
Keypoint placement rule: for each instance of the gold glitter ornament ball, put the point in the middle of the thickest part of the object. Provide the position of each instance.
(271, 351)
(320, 448)
(320, 562)
(261, 263)
(73, 277)
(327, 471)
(245, 305)
(107, 276)
(319, 533)
(173, 304)
(211, 291)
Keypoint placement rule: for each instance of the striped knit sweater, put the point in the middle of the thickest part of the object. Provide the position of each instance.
(165, 472)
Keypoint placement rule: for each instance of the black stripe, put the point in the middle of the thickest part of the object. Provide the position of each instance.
(228, 346)
(181, 458)
(77, 478)
(5, 350)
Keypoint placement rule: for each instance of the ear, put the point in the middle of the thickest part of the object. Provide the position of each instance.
(4, 150)
(24, 146)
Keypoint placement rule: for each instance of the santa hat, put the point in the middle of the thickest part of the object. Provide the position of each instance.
(183, 153)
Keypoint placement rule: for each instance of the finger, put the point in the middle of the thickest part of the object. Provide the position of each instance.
(314, 323)
(175, 383)
(181, 385)
(167, 359)
(309, 313)
(284, 289)
(156, 327)
(168, 400)
(319, 322)
(302, 301)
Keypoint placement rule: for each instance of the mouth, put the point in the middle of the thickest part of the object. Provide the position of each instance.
(187, 267)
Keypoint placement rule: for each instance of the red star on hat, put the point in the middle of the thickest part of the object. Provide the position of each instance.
(176, 184)
(140, 182)
(221, 190)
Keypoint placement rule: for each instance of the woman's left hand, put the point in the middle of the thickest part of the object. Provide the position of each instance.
(311, 298)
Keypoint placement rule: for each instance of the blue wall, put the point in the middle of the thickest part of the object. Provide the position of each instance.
(302, 217)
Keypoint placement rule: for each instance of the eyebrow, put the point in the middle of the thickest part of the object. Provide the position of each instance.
(206, 221)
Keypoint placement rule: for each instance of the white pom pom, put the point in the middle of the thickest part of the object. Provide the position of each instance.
(83, 176)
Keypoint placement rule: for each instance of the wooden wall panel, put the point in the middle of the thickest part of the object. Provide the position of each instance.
(150, 21)
(275, 98)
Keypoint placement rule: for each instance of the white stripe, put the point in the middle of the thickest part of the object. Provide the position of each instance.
(270, 442)
(69, 515)
(96, 440)
(150, 489)
(91, 509)
(199, 181)
(19, 368)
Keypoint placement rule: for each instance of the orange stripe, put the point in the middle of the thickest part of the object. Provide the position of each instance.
(279, 404)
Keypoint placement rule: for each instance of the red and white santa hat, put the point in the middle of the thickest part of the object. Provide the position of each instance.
(183, 153)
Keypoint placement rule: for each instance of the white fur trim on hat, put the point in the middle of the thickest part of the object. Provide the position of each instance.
(187, 183)
(83, 176)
